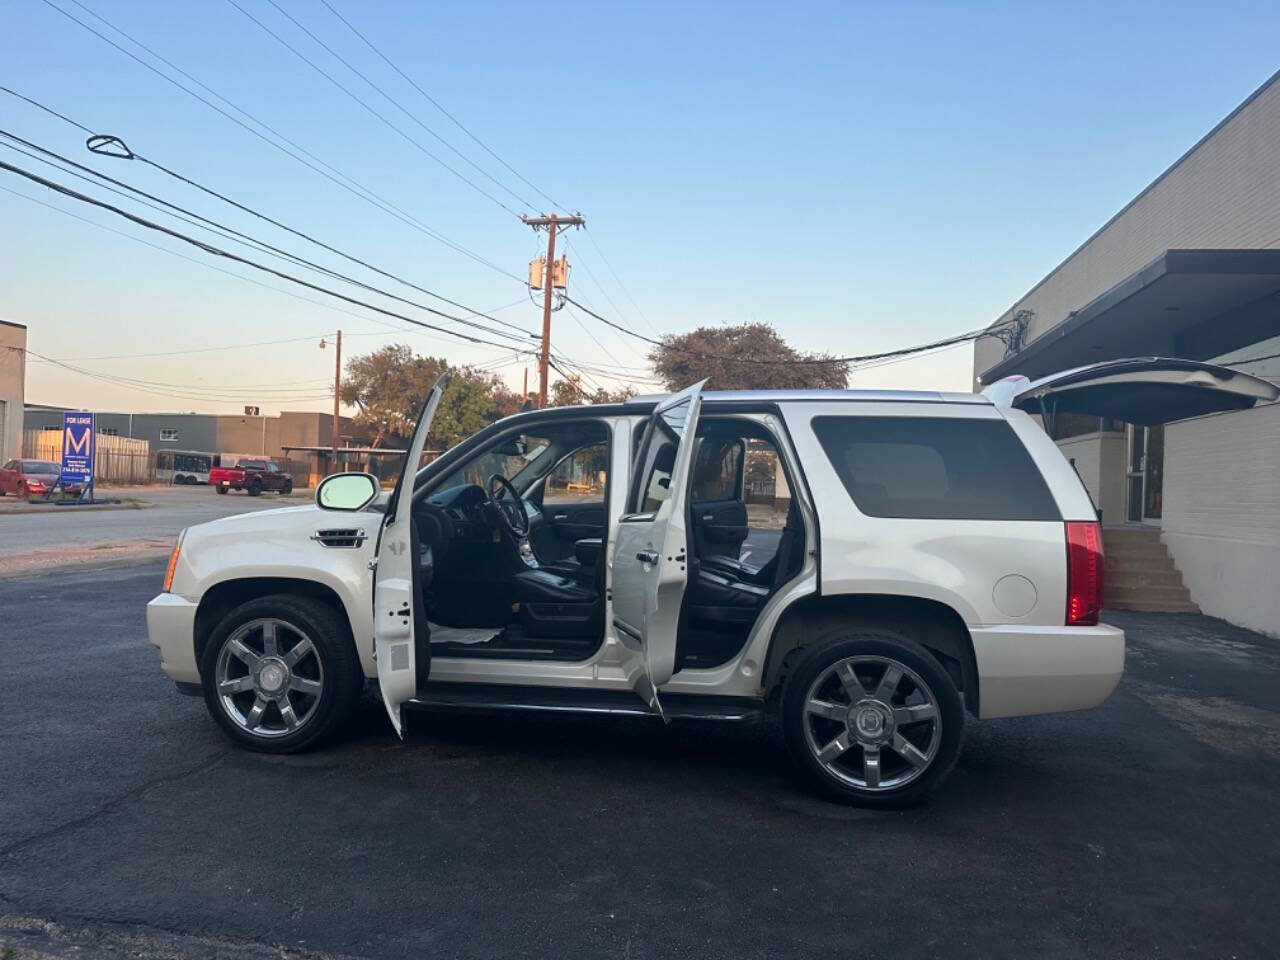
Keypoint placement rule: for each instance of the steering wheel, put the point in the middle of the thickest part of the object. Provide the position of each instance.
(512, 513)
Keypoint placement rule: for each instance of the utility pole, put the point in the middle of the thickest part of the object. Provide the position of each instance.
(553, 225)
(337, 389)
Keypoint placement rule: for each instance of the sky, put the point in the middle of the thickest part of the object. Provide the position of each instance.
(862, 176)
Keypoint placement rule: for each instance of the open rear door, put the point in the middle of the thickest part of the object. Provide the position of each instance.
(397, 600)
(1145, 391)
(650, 559)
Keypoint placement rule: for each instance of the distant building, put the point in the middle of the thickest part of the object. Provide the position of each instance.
(1189, 268)
(13, 348)
(281, 437)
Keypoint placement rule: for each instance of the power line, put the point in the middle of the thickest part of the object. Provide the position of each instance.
(851, 360)
(337, 83)
(314, 163)
(173, 394)
(229, 273)
(617, 279)
(399, 106)
(435, 103)
(262, 246)
(217, 251)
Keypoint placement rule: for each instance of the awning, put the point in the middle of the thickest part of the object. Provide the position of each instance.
(1196, 304)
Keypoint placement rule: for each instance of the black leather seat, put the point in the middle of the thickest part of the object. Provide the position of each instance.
(555, 605)
(735, 568)
(583, 566)
(719, 601)
(545, 585)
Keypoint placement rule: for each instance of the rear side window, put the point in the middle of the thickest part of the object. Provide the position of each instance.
(935, 468)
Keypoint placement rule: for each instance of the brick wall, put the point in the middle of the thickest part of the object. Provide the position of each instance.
(1222, 513)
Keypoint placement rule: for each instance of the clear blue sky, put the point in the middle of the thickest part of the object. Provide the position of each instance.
(864, 176)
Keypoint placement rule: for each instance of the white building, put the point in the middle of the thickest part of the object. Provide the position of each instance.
(1189, 268)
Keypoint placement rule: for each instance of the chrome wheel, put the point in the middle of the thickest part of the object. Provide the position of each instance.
(269, 677)
(872, 722)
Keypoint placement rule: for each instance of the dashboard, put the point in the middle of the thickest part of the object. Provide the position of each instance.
(465, 507)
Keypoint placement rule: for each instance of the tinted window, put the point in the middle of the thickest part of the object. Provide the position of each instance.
(716, 465)
(935, 468)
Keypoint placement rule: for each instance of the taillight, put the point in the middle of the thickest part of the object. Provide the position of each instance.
(1084, 573)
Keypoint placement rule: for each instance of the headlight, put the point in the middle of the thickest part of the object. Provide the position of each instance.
(173, 562)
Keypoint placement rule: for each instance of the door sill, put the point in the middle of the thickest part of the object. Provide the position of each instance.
(513, 697)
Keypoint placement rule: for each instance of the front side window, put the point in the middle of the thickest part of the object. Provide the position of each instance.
(659, 457)
(935, 468)
(579, 476)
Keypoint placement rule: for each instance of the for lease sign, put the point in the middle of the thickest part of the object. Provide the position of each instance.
(77, 447)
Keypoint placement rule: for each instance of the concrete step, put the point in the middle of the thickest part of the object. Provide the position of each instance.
(1141, 577)
(1141, 595)
(1154, 606)
(1128, 565)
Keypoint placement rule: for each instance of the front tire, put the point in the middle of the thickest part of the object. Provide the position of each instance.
(871, 718)
(280, 673)
(286, 488)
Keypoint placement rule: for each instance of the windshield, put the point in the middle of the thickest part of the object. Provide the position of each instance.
(508, 458)
(40, 466)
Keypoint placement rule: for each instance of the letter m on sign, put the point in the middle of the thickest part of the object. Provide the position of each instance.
(77, 444)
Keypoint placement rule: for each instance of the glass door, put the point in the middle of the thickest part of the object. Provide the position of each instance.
(1144, 474)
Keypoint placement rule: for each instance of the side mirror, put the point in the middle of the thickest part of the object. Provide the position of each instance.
(347, 491)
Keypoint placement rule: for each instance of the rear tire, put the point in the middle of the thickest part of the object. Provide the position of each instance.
(255, 489)
(221, 489)
(871, 718)
(284, 690)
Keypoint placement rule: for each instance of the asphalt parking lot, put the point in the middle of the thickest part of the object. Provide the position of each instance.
(130, 827)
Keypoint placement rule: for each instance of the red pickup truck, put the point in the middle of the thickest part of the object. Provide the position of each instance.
(251, 475)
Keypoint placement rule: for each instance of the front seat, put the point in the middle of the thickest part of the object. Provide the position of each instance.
(555, 605)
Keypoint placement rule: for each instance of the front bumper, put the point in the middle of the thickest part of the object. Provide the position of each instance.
(171, 627)
(1028, 670)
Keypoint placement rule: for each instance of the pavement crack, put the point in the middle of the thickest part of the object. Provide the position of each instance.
(110, 806)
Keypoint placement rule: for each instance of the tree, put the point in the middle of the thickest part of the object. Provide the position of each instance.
(389, 386)
(750, 356)
(569, 393)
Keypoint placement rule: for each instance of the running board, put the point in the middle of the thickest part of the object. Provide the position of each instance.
(623, 703)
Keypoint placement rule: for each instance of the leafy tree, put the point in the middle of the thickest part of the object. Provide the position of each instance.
(389, 386)
(750, 356)
(569, 393)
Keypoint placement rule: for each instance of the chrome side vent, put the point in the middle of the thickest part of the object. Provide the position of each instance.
(345, 537)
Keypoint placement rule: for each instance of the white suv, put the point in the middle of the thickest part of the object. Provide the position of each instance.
(870, 566)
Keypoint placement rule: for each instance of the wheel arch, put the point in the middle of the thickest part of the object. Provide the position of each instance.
(225, 596)
(933, 624)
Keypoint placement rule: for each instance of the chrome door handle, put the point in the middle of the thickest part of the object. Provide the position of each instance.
(648, 556)
(560, 516)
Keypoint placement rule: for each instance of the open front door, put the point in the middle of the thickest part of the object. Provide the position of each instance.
(1145, 391)
(651, 556)
(397, 600)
